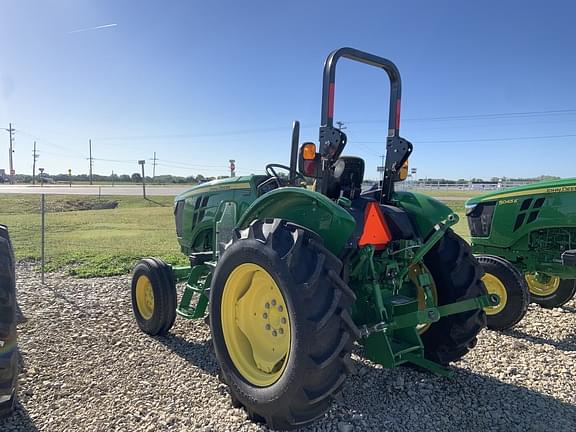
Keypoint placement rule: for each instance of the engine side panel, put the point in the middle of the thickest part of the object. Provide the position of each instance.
(196, 210)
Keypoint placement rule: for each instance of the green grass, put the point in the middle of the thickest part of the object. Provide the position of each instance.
(89, 243)
(451, 193)
(455, 199)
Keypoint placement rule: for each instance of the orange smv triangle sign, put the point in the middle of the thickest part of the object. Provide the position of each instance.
(376, 231)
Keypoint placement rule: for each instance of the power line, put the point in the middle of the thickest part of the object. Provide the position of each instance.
(465, 140)
(480, 116)
(58, 146)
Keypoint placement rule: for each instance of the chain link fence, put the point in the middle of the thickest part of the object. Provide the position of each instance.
(89, 235)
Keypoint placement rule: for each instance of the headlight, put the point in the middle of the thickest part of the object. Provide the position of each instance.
(470, 208)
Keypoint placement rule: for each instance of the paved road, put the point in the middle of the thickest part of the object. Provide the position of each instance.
(171, 190)
(92, 190)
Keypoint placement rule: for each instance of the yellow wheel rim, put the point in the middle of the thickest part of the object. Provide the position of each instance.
(256, 324)
(495, 286)
(415, 272)
(145, 297)
(541, 284)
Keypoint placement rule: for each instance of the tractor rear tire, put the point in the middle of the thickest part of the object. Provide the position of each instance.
(503, 278)
(562, 295)
(9, 357)
(457, 276)
(153, 296)
(298, 275)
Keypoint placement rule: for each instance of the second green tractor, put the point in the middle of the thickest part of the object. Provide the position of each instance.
(525, 239)
(291, 277)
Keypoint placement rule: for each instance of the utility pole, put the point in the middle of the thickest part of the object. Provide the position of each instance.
(11, 150)
(381, 171)
(91, 160)
(112, 176)
(154, 167)
(142, 162)
(34, 159)
(340, 125)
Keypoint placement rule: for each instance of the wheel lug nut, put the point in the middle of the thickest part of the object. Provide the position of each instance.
(273, 302)
(267, 305)
(281, 330)
(280, 308)
(274, 333)
(267, 326)
(283, 320)
(265, 315)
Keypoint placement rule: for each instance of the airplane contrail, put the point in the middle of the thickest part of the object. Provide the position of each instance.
(92, 28)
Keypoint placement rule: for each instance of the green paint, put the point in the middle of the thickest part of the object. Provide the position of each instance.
(387, 309)
(307, 208)
(531, 225)
(198, 281)
(426, 211)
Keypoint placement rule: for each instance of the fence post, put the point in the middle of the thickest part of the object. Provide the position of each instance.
(42, 230)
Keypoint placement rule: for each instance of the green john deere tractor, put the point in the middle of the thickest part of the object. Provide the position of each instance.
(525, 238)
(292, 277)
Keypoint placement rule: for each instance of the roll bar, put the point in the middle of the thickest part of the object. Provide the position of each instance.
(332, 140)
(362, 57)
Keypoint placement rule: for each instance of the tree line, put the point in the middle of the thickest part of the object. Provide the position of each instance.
(116, 178)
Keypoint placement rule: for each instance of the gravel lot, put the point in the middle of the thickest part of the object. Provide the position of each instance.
(88, 368)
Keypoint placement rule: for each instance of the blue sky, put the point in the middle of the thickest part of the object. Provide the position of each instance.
(203, 82)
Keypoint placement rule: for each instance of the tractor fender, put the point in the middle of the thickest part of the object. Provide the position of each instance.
(307, 208)
(424, 210)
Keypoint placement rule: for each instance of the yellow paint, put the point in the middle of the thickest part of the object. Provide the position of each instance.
(541, 284)
(223, 187)
(508, 201)
(144, 297)
(495, 286)
(256, 324)
(415, 271)
(548, 190)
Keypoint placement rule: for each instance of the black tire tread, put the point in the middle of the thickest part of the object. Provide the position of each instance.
(164, 288)
(517, 288)
(9, 357)
(327, 340)
(560, 297)
(457, 275)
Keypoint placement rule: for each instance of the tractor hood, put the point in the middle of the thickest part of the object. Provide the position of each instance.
(554, 186)
(230, 183)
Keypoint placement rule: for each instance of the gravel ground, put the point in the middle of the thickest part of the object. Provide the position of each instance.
(88, 368)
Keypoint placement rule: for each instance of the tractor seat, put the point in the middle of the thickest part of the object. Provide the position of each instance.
(347, 178)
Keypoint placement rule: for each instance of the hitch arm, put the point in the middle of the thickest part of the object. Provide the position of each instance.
(439, 231)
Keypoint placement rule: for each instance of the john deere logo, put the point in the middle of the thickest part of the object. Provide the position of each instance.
(561, 189)
(529, 211)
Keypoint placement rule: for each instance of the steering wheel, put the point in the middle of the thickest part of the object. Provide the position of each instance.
(279, 180)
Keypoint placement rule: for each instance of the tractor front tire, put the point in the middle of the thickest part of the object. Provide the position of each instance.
(9, 364)
(555, 293)
(153, 296)
(280, 324)
(504, 279)
(457, 276)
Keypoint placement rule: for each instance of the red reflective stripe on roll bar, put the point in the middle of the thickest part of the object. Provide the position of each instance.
(331, 101)
(397, 114)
